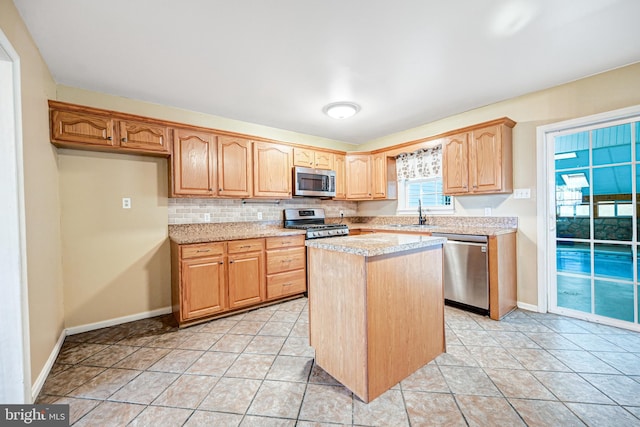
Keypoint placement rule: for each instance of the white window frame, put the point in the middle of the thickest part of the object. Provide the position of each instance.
(403, 209)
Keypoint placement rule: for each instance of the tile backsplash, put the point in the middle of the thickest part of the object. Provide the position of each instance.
(191, 211)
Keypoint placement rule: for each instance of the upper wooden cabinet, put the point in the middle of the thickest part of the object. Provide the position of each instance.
(193, 164)
(143, 136)
(272, 171)
(235, 167)
(88, 128)
(358, 167)
(82, 128)
(479, 161)
(339, 165)
(384, 179)
(309, 158)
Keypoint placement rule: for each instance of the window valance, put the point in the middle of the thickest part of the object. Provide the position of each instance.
(424, 163)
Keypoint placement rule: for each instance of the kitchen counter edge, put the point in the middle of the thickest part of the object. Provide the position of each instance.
(183, 234)
(374, 245)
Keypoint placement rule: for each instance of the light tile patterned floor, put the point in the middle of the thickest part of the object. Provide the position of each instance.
(256, 369)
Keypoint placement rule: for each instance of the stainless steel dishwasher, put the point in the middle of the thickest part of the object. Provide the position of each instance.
(466, 271)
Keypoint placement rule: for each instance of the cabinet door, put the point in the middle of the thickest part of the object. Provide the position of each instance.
(203, 287)
(339, 165)
(246, 279)
(323, 160)
(193, 163)
(140, 136)
(234, 167)
(485, 160)
(272, 170)
(83, 128)
(303, 157)
(379, 178)
(455, 160)
(358, 176)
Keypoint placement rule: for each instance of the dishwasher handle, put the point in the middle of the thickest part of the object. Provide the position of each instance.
(466, 238)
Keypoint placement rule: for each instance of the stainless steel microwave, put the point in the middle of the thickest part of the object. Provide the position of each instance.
(314, 182)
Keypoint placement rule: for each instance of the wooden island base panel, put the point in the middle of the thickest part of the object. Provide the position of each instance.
(376, 308)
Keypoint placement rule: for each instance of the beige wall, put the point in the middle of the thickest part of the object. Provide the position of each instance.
(116, 261)
(44, 272)
(603, 92)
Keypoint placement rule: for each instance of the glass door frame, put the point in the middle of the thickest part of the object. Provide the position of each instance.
(546, 208)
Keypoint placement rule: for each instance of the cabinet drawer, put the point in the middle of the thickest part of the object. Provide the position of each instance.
(249, 245)
(286, 260)
(202, 249)
(292, 282)
(285, 241)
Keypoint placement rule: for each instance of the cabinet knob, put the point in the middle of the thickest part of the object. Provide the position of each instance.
(230, 261)
(219, 189)
(124, 139)
(221, 262)
(109, 138)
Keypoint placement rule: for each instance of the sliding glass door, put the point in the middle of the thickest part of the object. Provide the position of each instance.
(596, 173)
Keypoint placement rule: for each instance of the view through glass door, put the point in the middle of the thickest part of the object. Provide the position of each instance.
(597, 170)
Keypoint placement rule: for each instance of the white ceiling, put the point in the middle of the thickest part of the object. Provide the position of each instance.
(278, 62)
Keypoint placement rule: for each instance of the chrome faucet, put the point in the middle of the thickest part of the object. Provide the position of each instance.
(421, 219)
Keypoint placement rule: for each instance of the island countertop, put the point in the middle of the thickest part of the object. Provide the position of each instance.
(372, 245)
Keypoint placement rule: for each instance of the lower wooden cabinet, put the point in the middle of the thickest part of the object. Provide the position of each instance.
(212, 279)
(202, 289)
(286, 266)
(246, 272)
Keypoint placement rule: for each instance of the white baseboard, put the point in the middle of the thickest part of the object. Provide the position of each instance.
(529, 307)
(44, 373)
(46, 369)
(117, 321)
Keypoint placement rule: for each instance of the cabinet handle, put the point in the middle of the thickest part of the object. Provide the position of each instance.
(109, 138)
(203, 250)
(124, 139)
(287, 260)
(287, 284)
(245, 246)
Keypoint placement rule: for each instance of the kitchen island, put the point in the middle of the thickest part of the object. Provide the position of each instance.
(376, 308)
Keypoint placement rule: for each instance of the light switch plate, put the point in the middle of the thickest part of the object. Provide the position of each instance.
(522, 193)
(259, 215)
(126, 203)
(207, 217)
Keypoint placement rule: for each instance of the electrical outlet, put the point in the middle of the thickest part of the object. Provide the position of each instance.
(487, 211)
(126, 203)
(207, 217)
(259, 215)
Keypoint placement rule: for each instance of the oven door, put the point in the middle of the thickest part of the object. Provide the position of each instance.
(314, 182)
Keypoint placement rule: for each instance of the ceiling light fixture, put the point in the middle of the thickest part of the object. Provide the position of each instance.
(341, 110)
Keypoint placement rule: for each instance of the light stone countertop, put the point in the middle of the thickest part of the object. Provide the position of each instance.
(470, 230)
(216, 232)
(378, 244)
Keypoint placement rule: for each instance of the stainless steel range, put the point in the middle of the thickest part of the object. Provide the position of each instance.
(312, 220)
